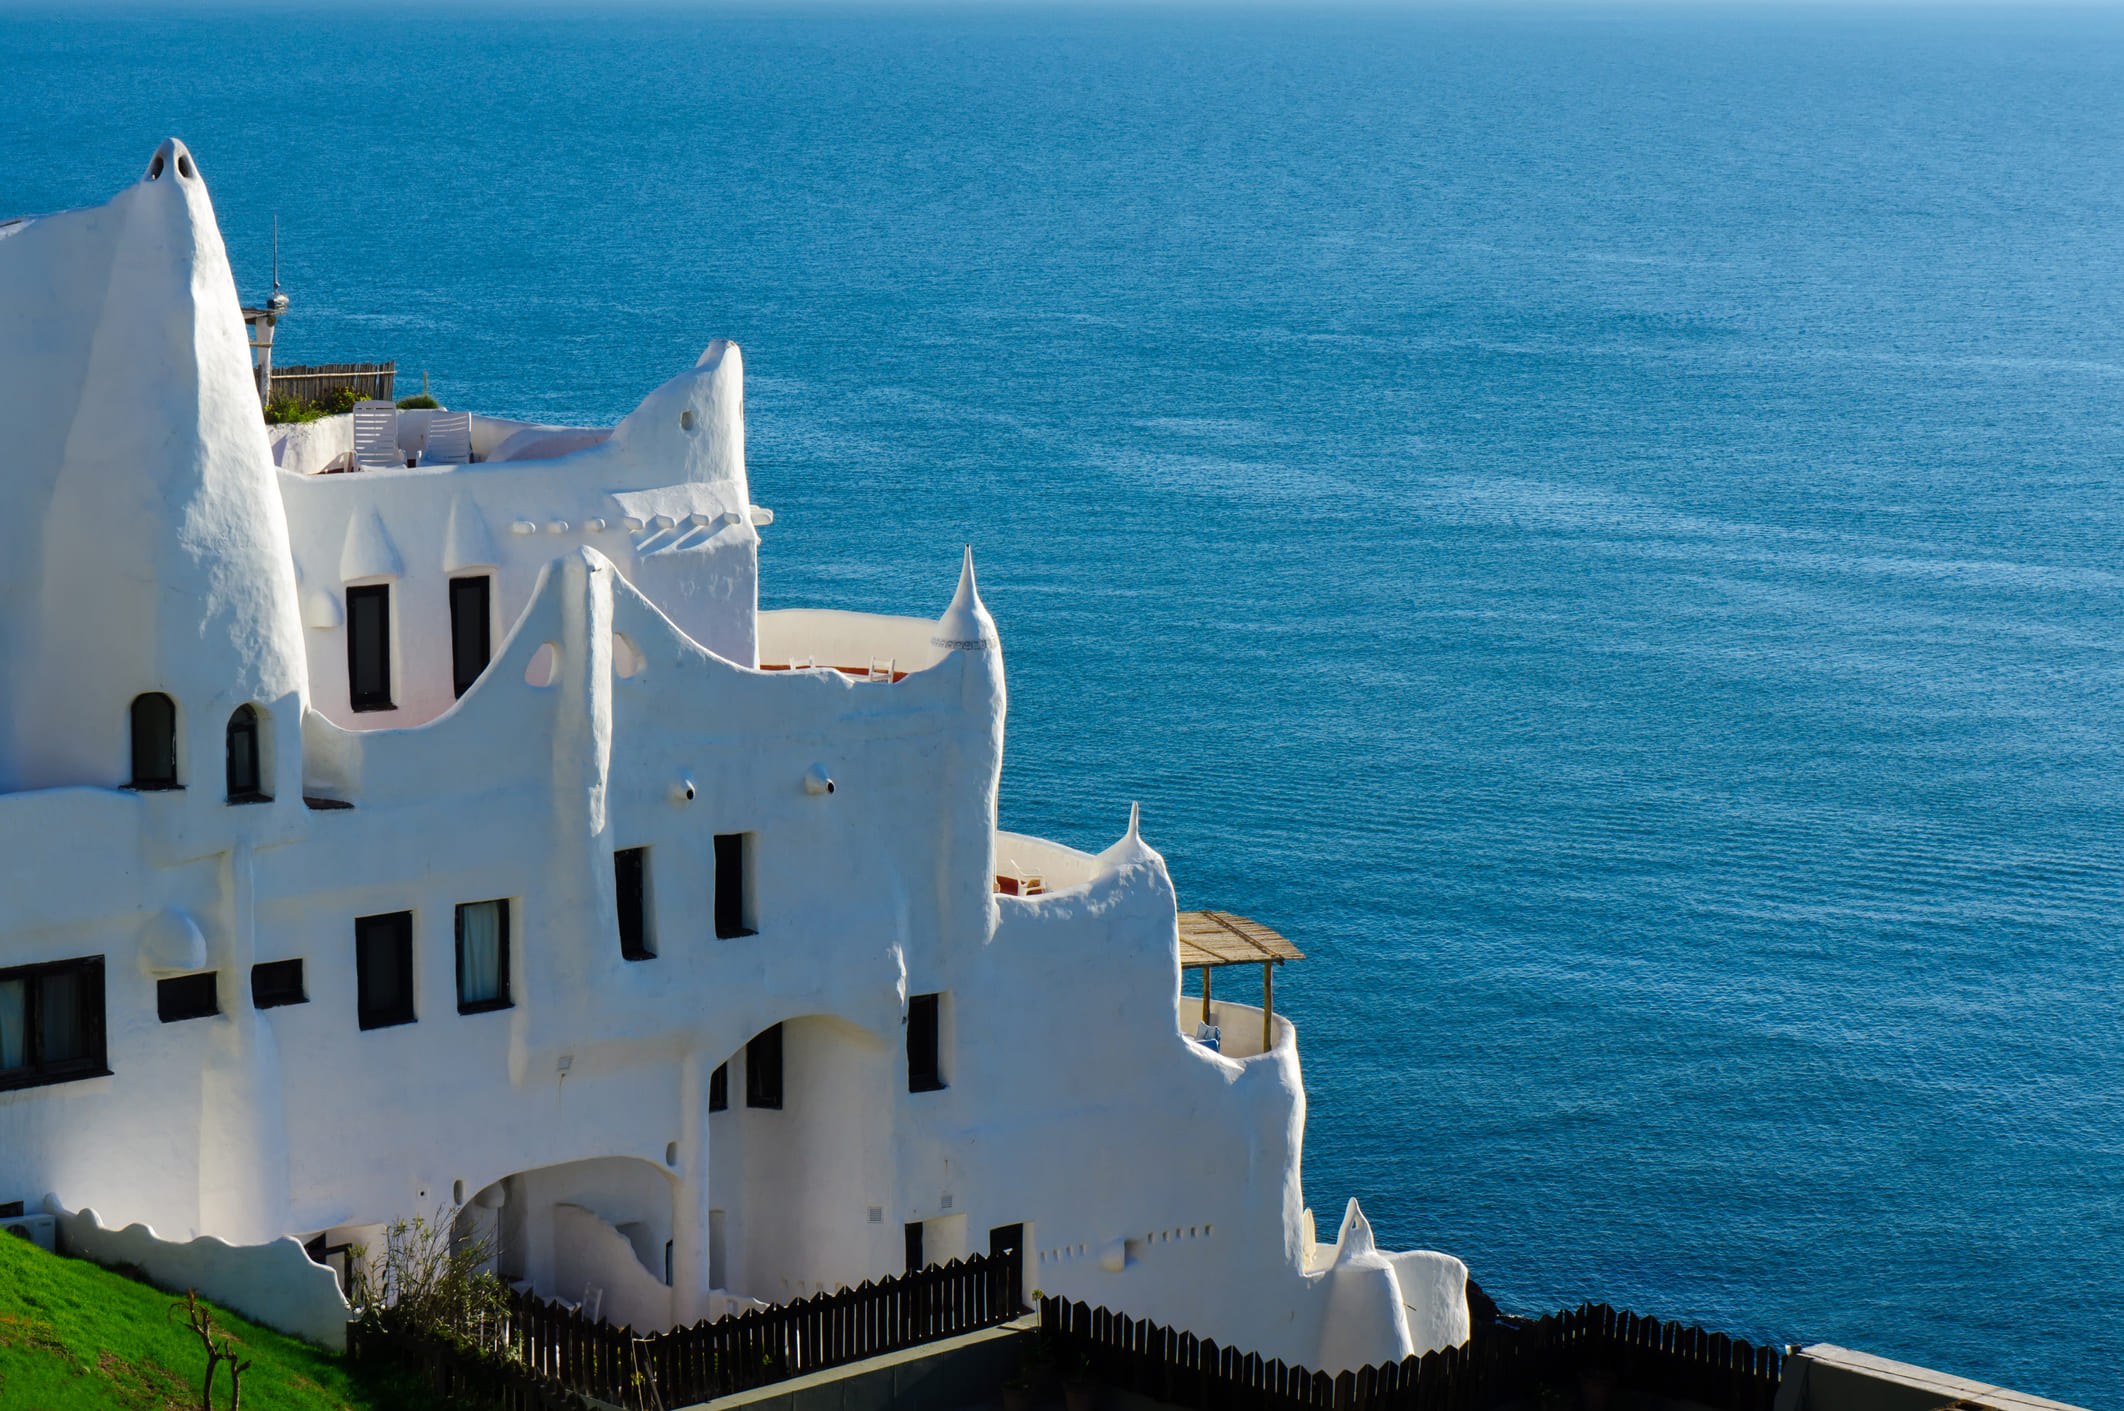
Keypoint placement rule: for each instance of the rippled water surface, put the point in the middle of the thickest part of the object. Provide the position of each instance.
(1603, 528)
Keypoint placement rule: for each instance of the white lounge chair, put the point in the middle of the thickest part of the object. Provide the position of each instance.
(449, 439)
(376, 436)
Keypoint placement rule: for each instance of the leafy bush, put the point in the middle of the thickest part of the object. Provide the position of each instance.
(418, 402)
(286, 409)
(430, 1279)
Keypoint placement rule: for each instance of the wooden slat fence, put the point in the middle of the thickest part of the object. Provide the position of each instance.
(452, 1374)
(554, 1350)
(310, 384)
(1505, 1364)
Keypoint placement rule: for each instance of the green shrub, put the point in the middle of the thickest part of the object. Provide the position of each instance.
(419, 402)
(338, 402)
(286, 409)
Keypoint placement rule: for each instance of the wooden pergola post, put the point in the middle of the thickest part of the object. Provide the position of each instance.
(1205, 994)
(1268, 1005)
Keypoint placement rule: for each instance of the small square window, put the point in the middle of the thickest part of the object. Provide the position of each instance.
(277, 982)
(734, 913)
(188, 997)
(383, 955)
(482, 956)
(763, 1069)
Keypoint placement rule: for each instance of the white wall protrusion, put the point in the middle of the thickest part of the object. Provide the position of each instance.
(321, 609)
(171, 943)
(466, 543)
(368, 551)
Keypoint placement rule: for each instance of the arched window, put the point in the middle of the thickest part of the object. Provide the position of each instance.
(154, 741)
(245, 783)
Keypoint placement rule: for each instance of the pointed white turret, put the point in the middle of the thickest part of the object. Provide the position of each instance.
(966, 625)
(142, 543)
(1130, 847)
(1366, 1323)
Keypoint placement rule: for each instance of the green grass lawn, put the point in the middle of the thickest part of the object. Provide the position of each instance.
(73, 1335)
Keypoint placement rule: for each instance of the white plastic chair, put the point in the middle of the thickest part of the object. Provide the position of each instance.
(881, 669)
(376, 436)
(449, 439)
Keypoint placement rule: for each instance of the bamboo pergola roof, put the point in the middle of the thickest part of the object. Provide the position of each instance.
(1209, 938)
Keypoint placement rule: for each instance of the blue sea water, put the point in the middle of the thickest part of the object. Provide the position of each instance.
(1602, 526)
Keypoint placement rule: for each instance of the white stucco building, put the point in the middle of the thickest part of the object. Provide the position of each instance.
(462, 832)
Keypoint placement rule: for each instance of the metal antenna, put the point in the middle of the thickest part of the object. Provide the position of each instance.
(276, 250)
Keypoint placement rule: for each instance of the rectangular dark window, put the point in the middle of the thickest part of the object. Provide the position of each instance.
(383, 959)
(51, 1023)
(733, 885)
(469, 630)
(630, 885)
(763, 1069)
(719, 1089)
(914, 1246)
(277, 982)
(923, 1074)
(188, 997)
(482, 956)
(369, 647)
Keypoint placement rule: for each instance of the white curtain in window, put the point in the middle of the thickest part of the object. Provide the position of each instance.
(14, 1023)
(479, 951)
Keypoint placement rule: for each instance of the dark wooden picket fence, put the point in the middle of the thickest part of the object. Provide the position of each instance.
(557, 1350)
(1504, 1364)
(312, 384)
(453, 1374)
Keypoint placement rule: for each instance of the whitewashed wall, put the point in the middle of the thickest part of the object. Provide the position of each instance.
(1151, 1175)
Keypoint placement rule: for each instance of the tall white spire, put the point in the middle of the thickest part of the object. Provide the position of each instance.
(142, 543)
(966, 625)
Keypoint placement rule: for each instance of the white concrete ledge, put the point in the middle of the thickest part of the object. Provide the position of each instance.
(1826, 1377)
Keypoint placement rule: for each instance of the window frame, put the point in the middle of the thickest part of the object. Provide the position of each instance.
(925, 1027)
(136, 780)
(463, 623)
(266, 995)
(736, 916)
(95, 1063)
(384, 699)
(502, 998)
(373, 1015)
(759, 1092)
(182, 997)
(641, 945)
